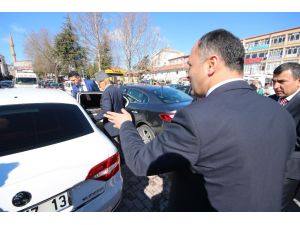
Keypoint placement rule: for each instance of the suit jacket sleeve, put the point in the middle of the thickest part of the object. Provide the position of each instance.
(106, 105)
(94, 86)
(91, 85)
(74, 90)
(177, 147)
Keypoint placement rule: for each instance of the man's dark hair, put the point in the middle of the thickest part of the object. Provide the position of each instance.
(253, 87)
(73, 73)
(226, 45)
(292, 66)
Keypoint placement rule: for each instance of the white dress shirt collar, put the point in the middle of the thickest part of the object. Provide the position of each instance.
(289, 98)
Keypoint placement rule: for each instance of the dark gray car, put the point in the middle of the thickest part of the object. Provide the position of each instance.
(153, 107)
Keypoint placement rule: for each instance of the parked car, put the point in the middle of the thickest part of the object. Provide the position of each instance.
(52, 156)
(6, 84)
(153, 107)
(185, 88)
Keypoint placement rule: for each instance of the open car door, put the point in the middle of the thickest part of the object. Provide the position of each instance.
(90, 101)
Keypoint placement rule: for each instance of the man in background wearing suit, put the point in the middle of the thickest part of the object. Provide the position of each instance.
(225, 153)
(286, 84)
(79, 84)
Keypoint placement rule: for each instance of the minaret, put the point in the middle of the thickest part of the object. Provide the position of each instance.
(12, 49)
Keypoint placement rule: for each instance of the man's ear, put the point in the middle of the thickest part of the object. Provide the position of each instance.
(212, 64)
(298, 83)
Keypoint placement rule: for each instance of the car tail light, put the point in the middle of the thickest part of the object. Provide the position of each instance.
(167, 116)
(106, 169)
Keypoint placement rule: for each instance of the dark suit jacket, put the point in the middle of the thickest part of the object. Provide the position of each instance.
(90, 86)
(111, 100)
(237, 140)
(293, 165)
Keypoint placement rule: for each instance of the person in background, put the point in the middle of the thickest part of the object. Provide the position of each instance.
(218, 148)
(286, 84)
(258, 89)
(79, 84)
(111, 100)
(268, 89)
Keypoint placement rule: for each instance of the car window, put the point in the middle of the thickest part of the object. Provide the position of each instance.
(26, 80)
(171, 95)
(90, 101)
(28, 126)
(185, 89)
(136, 96)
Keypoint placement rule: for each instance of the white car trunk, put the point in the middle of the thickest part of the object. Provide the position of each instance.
(48, 171)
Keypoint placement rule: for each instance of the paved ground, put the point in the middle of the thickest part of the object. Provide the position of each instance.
(144, 194)
(150, 194)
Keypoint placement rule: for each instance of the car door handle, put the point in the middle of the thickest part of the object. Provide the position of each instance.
(134, 111)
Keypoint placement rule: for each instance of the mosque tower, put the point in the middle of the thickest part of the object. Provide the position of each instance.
(12, 48)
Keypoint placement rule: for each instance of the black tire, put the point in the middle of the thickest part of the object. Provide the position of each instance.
(146, 133)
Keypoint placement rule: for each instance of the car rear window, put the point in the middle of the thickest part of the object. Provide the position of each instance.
(171, 95)
(29, 126)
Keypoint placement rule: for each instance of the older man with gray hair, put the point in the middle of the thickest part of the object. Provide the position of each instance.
(111, 100)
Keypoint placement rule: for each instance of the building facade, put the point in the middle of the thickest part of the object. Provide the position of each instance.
(265, 52)
(162, 57)
(169, 65)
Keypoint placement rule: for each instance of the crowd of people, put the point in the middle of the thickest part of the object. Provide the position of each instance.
(235, 150)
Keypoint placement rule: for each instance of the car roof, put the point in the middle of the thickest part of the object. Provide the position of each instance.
(14, 96)
(146, 87)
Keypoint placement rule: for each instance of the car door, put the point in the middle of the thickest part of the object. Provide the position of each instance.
(90, 101)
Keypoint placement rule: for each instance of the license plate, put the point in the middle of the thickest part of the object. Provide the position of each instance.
(54, 204)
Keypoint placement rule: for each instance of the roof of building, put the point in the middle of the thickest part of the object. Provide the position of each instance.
(168, 50)
(184, 56)
(270, 33)
(171, 68)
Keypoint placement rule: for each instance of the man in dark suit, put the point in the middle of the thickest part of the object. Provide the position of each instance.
(111, 100)
(79, 84)
(228, 150)
(286, 84)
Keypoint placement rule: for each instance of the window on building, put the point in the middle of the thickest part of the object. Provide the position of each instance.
(275, 53)
(295, 51)
(292, 51)
(278, 40)
(262, 54)
(257, 43)
(270, 67)
(262, 67)
(294, 36)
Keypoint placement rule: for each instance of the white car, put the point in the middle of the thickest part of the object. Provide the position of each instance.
(52, 156)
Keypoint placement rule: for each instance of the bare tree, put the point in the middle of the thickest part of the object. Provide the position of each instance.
(91, 28)
(39, 47)
(136, 38)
